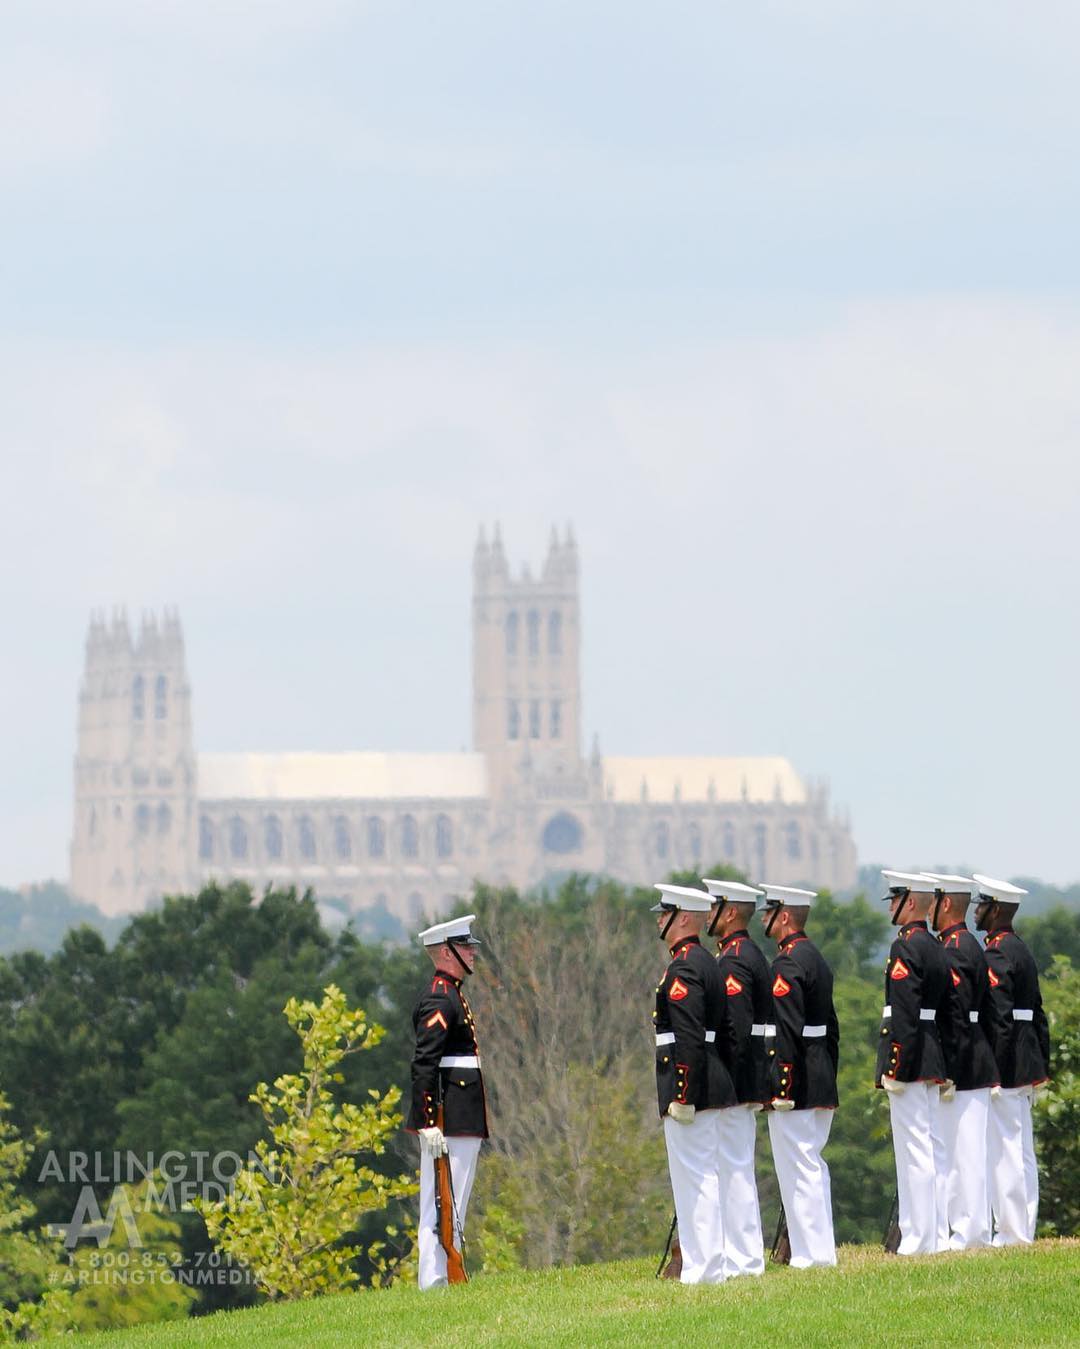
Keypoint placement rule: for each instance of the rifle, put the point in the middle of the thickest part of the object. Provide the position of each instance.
(891, 1240)
(781, 1247)
(673, 1268)
(445, 1214)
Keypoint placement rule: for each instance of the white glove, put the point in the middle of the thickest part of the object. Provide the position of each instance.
(432, 1142)
(755, 1106)
(995, 1092)
(891, 1084)
(781, 1103)
(681, 1114)
(947, 1090)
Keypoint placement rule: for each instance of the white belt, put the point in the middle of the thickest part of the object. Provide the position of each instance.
(760, 1028)
(667, 1037)
(924, 1013)
(1023, 1014)
(973, 1016)
(459, 1061)
(813, 1032)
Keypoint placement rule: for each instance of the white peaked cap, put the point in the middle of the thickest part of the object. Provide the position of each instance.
(733, 890)
(918, 881)
(682, 897)
(788, 896)
(953, 885)
(457, 929)
(1003, 890)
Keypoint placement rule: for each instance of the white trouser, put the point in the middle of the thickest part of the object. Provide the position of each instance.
(1014, 1177)
(463, 1153)
(964, 1125)
(797, 1138)
(921, 1166)
(741, 1216)
(692, 1153)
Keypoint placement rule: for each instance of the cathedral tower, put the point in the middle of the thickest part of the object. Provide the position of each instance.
(526, 659)
(135, 790)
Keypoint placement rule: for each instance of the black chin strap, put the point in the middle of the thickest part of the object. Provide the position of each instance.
(774, 911)
(939, 895)
(457, 956)
(711, 929)
(667, 926)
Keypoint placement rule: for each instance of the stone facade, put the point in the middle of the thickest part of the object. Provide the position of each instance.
(409, 832)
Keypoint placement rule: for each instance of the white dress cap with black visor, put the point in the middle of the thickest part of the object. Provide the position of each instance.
(681, 897)
(786, 896)
(908, 882)
(457, 931)
(947, 884)
(1003, 892)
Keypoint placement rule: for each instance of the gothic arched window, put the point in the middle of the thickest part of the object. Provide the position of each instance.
(161, 695)
(556, 719)
(273, 838)
(792, 841)
(761, 838)
(533, 623)
(206, 838)
(693, 834)
(534, 719)
(416, 906)
(410, 837)
(142, 818)
(444, 835)
(513, 720)
(164, 818)
(376, 837)
(512, 633)
(138, 695)
(305, 832)
(238, 838)
(562, 834)
(729, 840)
(555, 633)
(662, 840)
(342, 838)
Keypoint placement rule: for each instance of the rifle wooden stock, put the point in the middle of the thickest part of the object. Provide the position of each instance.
(444, 1213)
(890, 1243)
(781, 1247)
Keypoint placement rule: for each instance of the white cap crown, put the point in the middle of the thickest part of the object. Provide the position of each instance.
(682, 897)
(787, 896)
(455, 929)
(953, 885)
(732, 890)
(917, 881)
(1002, 890)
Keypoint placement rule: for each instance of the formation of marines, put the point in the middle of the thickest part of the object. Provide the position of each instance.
(963, 1050)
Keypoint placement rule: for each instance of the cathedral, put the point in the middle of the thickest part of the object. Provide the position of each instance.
(410, 832)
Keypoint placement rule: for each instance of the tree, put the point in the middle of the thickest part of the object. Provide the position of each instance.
(287, 1218)
(30, 1304)
(1057, 1114)
(1056, 933)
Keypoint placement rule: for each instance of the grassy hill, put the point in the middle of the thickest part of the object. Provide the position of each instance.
(1017, 1297)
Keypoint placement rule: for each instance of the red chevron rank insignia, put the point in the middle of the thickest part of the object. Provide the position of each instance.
(899, 971)
(732, 985)
(994, 980)
(780, 987)
(436, 1020)
(955, 978)
(677, 991)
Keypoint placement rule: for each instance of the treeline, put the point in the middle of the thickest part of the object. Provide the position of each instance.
(155, 1044)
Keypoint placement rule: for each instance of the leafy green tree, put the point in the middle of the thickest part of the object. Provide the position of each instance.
(287, 1218)
(1057, 1114)
(1056, 933)
(118, 1284)
(30, 1303)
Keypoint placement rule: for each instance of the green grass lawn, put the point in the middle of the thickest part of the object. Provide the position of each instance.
(1028, 1297)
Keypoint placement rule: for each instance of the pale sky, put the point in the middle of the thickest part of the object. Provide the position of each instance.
(779, 304)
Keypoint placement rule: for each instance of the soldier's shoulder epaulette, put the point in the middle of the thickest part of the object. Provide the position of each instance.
(441, 986)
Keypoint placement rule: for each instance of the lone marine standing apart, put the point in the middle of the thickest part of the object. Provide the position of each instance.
(802, 1075)
(969, 1032)
(446, 1072)
(911, 1063)
(693, 1079)
(744, 972)
(1022, 1050)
